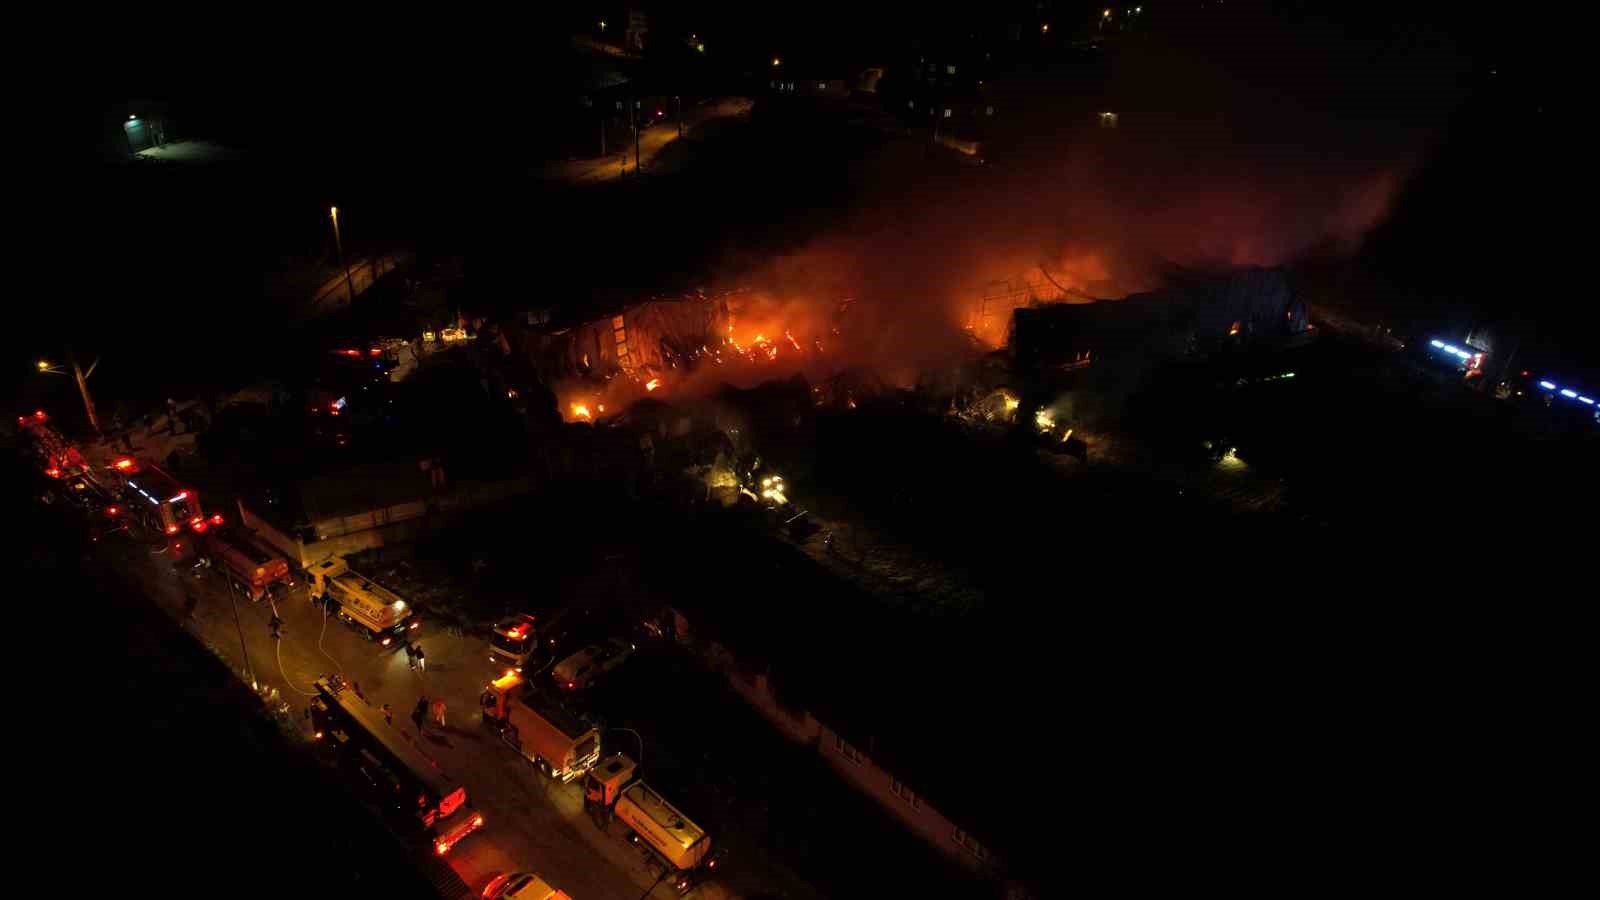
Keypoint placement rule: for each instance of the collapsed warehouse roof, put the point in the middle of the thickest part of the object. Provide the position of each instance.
(645, 337)
(1249, 307)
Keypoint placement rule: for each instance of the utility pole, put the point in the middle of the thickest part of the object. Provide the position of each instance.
(636, 168)
(83, 387)
(242, 649)
(338, 243)
(679, 98)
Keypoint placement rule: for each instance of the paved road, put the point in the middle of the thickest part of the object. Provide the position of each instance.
(531, 824)
(651, 142)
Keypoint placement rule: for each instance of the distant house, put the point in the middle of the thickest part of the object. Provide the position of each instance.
(135, 126)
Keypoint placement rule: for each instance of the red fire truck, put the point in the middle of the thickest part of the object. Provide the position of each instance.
(161, 504)
(56, 455)
(433, 805)
(249, 566)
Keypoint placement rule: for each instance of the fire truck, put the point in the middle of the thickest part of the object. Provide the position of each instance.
(557, 743)
(161, 504)
(374, 611)
(409, 783)
(55, 454)
(612, 789)
(250, 566)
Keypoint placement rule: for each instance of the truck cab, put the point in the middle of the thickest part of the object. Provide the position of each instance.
(513, 641)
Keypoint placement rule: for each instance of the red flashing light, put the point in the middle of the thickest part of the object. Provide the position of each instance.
(414, 623)
(1524, 373)
(53, 472)
(571, 685)
(375, 351)
(216, 519)
(181, 495)
(350, 353)
(318, 736)
(39, 414)
(123, 463)
(113, 510)
(199, 527)
(172, 529)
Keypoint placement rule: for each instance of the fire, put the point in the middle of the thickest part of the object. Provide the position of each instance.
(581, 411)
(652, 384)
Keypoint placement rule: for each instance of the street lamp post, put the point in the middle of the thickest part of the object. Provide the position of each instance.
(636, 737)
(234, 605)
(338, 243)
(82, 377)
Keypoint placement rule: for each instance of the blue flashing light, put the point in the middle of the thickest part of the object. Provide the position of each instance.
(1585, 400)
(1567, 392)
(1439, 344)
(1547, 385)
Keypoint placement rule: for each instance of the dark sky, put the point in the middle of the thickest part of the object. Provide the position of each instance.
(1443, 146)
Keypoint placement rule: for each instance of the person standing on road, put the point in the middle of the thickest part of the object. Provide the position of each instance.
(420, 714)
(438, 712)
(388, 714)
(411, 657)
(422, 661)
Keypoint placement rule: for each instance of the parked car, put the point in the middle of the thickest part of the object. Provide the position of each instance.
(579, 670)
(522, 886)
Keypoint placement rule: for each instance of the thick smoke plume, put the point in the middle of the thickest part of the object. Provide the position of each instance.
(1248, 141)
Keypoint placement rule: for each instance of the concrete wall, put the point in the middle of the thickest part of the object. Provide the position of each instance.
(385, 527)
(853, 764)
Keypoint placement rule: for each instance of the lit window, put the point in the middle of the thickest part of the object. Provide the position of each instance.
(947, 112)
(899, 789)
(966, 842)
(911, 104)
(988, 110)
(847, 751)
(822, 85)
(949, 70)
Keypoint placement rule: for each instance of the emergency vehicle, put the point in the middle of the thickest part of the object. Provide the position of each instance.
(408, 781)
(374, 611)
(54, 453)
(250, 568)
(512, 642)
(665, 833)
(556, 742)
(161, 504)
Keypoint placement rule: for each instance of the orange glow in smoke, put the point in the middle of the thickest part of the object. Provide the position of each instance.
(652, 384)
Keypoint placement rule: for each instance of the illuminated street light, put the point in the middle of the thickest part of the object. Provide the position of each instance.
(1045, 28)
(776, 61)
(338, 243)
(46, 367)
(1106, 14)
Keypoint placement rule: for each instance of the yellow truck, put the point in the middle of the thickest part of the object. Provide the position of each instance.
(612, 788)
(374, 611)
(558, 744)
